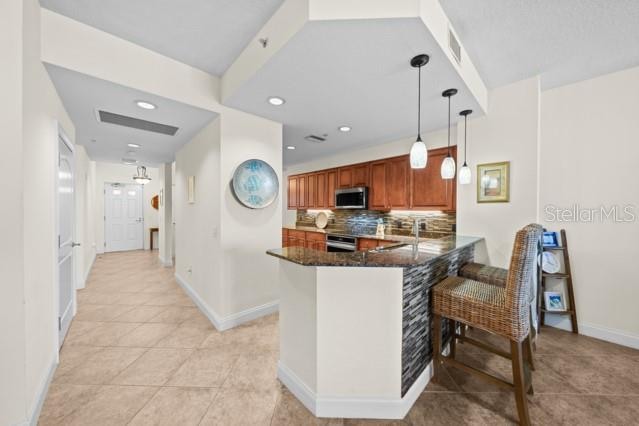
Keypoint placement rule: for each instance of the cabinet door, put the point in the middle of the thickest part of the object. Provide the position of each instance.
(345, 177)
(428, 189)
(397, 182)
(284, 237)
(321, 202)
(311, 191)
(364, 244)
(292, 192)
(331, 185)
(301, 192)
(360, 174)
(377, 200)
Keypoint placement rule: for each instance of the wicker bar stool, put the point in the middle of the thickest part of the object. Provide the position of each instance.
(498, 276)
(499, 310)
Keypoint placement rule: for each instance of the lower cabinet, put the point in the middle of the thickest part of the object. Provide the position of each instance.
(364, 244)
(307, 239)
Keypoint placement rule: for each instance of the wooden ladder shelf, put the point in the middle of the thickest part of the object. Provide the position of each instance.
(567, 275)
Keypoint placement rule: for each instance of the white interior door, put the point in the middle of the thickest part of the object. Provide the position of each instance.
(66, 222)
(123, 217)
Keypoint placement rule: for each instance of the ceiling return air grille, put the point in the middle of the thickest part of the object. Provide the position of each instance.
(136, 123)
(315, 138)
(454, 46)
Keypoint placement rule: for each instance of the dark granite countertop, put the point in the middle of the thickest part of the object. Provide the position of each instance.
(400, 256)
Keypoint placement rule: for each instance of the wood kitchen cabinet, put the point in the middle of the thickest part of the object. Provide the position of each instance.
(428, 189)
(331, 185)
(397, 181)
(301, 192)
(365, 244)
(308, 239)
(345, 177)
(292, 192)
(316, 241)
(320, 200)
(311, 190)
(377, 194)
(392, 185)
(353, 176)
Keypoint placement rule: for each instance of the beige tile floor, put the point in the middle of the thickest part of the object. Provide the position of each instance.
(139, 352)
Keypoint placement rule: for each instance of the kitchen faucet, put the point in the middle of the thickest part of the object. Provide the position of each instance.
(416, 230)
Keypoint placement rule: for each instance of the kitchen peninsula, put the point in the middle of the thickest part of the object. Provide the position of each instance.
(355, 336)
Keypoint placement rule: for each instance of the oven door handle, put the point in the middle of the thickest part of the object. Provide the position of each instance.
(340, 245)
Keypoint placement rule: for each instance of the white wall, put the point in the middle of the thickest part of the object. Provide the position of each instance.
(121, 173)
(165, 214)
(509, 132)
(197, 225)
(220, 244)
(84, 214)
(42, 108)
(589, 151)
(12, 332)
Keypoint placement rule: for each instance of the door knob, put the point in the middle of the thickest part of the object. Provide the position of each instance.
(74, 244)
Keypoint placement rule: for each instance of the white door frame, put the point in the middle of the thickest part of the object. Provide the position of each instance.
(60, 135)
(104, 202)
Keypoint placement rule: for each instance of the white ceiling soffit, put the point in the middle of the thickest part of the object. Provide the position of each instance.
(563, 41)
(355, 73)
(84, 95)
(206, 34)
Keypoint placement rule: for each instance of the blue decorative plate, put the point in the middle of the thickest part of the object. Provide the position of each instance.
(255, 184)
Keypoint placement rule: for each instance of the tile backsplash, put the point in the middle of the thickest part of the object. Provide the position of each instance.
(396, 223)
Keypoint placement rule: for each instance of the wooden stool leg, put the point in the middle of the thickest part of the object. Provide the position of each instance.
(519, 380)
(529, 352)
(437, 343)
(452, 326)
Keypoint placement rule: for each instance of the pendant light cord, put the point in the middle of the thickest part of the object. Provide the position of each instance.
(465, 142)
(419, 103)
(449, 126)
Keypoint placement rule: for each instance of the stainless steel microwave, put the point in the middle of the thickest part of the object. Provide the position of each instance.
(351, 198)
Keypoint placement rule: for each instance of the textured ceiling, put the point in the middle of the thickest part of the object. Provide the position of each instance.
(206, 34)
(82, 95)
(564, 41)
(354, 73)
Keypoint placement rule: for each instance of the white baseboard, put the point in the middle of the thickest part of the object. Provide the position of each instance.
(166, 263)
(230, 321)
(353, 408)
(34, 412)
(611, 335)
(87, 272)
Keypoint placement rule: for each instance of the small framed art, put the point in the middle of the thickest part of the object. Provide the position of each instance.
(554, 301)
(493, 182)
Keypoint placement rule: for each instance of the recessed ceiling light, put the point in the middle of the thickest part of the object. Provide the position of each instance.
(133, 145)
(290, 147)
(277, 101)
(145, 105)
(129, 161)
(344, 129)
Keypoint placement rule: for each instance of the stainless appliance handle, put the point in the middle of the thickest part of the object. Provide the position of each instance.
(341, 245)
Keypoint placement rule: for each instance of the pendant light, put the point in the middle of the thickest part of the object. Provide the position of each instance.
(142, 177)
(418, 152)
(448, 165)
(464, 172)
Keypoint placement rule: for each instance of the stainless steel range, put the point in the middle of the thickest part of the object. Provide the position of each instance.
(341, 243)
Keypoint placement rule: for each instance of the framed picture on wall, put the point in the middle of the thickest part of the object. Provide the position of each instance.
(493, 182)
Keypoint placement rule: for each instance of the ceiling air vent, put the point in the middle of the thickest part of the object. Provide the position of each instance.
(315, 138)
(454, 46)
(136, 123)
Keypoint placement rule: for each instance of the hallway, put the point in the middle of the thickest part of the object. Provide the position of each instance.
(139, 352)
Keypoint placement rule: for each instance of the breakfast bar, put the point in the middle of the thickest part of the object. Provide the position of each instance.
(355, 336)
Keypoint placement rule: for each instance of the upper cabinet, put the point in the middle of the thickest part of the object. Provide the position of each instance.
(392, 185)
(428, 189)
